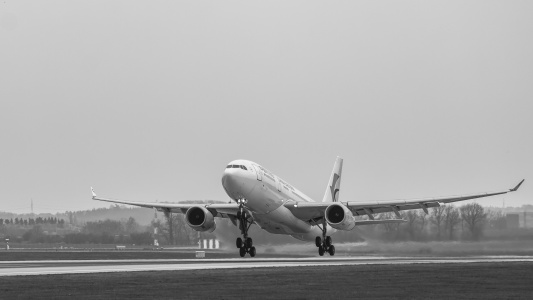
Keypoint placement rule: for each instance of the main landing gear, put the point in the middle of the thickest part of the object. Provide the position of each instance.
(324, 244)
(244, 244)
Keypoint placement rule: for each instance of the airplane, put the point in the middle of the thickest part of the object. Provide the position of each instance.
(262, 198)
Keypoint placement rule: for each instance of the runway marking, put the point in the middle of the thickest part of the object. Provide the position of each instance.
(16, 268)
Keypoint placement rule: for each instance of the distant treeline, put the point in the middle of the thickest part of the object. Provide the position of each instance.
(51, 230)
(32, 221)
(446, 222)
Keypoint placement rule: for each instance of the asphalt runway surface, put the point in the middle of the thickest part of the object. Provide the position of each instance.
(14, 268)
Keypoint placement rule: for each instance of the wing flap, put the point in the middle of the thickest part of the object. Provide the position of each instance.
(384, 221)
(389, 208)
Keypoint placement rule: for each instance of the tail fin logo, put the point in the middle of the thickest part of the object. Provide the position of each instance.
(334, 184)
(333, 187)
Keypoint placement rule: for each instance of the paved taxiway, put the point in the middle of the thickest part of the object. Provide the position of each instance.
(12, 268)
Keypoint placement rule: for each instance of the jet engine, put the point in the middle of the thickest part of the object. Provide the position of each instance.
(200, 219)
(340, 217)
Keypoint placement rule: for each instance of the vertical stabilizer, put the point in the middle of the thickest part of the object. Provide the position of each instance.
(334, 184)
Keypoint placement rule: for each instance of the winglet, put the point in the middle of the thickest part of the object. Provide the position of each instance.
(92, 191)
(517, 186)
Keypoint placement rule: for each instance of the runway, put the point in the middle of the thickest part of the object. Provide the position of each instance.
(17, 268)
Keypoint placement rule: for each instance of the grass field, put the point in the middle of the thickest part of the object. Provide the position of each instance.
(422, 281)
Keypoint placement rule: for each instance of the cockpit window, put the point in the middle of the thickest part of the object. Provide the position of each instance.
(236, 166)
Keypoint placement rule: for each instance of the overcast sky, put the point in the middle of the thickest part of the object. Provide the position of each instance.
(149, 100)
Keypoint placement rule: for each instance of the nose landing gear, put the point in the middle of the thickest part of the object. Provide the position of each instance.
(324, 244)
(245, 245)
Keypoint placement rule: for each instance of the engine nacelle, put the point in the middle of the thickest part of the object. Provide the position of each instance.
(340, 217)
(200, 219)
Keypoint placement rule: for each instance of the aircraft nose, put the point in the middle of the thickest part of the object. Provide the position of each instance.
(227, 180)
(235, 182)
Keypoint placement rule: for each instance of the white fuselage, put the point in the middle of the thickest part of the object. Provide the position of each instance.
(266, 194)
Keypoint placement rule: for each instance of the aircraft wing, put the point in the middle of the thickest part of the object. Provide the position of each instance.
(309, 211)
(221, 210)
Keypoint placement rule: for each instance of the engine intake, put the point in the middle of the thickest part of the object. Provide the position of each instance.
(200, 219)
(340, 217)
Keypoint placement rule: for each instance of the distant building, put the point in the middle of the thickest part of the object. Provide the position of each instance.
(512, 221)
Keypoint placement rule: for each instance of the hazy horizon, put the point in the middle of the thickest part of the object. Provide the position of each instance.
(149, 101)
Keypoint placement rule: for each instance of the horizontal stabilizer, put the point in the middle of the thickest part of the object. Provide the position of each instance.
(372, 222)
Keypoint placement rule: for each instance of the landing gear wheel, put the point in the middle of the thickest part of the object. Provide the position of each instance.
(324, 244)
(252, 252)
(331, 250)
(245, 244)
(328, 241)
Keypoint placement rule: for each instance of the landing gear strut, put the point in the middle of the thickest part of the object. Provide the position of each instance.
(324, 244)
(245, 244)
